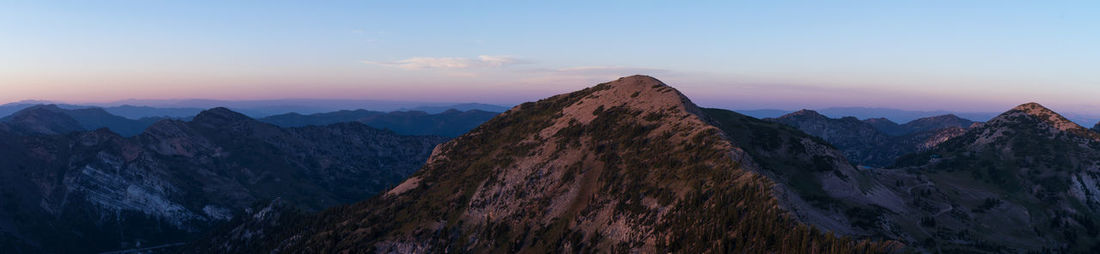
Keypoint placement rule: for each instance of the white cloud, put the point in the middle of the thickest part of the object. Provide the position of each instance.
(497, 60)
(449, 63)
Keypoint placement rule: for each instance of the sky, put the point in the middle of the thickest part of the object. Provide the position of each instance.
(915, 55)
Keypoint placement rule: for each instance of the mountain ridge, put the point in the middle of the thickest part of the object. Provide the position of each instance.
(630, 164)
(449, 123)
(99, 191)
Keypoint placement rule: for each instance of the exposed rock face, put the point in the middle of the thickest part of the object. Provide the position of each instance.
(629, 165)
(876, 142)
(450, 123)
(98, 191)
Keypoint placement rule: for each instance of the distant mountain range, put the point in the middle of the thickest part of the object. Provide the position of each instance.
(67, 190)
(876, 142)
(55, 119)
(136, 109)
(450, 123)
(52, 120)
(901, 116)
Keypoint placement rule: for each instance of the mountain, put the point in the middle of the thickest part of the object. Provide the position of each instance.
(867, 142)
(633, 166)
(139, 112)
(899, 115)
(9, 108)
(893, 115)
(926, 124)
(1096, 127)
(886, 126)
(264, 108)
(95, 191)
(935, 123)
(1026, 179)
(460, 107)
(626, 166)
(764, 113)
(42, 119)
(52, 119)
(876, 142)
(450, 123)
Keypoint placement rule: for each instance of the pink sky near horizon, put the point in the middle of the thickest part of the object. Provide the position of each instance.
(511, 89)
(948, 55)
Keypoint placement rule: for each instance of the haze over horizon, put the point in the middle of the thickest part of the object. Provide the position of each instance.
(981, 56)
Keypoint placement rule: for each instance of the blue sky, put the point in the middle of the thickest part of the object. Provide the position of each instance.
(923, 55)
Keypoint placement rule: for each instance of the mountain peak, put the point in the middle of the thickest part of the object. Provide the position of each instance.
(636, 80)
(1032, 108)
(879, 120)
(803, 114)
(1042, 113)
(219, 116)
(644, 94)
(50, 107)
(43, 119)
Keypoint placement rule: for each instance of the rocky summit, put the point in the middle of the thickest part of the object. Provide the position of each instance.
(629, 165)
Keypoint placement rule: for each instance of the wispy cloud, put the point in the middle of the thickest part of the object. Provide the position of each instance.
(449, 63)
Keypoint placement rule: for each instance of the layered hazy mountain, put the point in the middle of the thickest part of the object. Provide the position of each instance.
(876, 142)
(902, 116)
(630, 166)
(449, 123)
(184, 109)
(60, 119)
(127, 111)
(264, 108)
(52, 119)
(65, 190)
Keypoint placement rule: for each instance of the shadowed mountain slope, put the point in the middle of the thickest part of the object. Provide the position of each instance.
(876, 142)
(98, 191)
